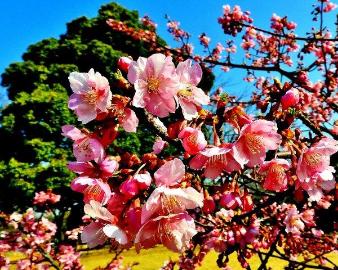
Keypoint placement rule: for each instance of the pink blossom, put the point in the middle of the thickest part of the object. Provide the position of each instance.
(170, 173)
(135, 184)
(91, 95)
(329, 7)
(49, 197)
(189, 96)
(158, 146)
(308, 217)
(293, 221)
(130, 121)
(313, 169)
(85, 148)
(123, 63)
(165, 201)
(290, 99)
(155, 84)
(92, 189)
(193, 140)
(215, 160)
(275, 174)
(173, 231)
(97, 233)
(254, 141)
(102, 169)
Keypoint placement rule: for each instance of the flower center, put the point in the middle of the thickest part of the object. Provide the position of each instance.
(312, 159)
(170, 204)
(185, 93)
(91, 96)
(153, 84)
(192, 139)
(254, 143)
(277, 172)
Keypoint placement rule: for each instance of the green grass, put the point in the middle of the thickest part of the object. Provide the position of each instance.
(153, 259)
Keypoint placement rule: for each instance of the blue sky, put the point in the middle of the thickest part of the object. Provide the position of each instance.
(24, 22)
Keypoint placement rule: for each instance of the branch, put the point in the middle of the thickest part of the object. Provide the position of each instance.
(287, 36)
(317, 130)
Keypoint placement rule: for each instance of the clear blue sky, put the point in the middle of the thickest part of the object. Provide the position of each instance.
(24, 22)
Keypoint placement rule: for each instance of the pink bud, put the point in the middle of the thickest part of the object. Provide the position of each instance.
(208, 205)
(290, 99)
(193, 140)
(129, 188)
(123, 63)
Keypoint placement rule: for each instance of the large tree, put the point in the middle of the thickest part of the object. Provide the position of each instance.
(33, 153)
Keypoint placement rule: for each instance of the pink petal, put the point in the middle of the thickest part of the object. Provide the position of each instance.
(170, 173)
(130, 121)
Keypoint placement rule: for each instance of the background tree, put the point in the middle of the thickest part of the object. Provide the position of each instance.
(33, 152)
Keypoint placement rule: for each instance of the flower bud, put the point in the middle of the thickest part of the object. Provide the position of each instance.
(290, 99)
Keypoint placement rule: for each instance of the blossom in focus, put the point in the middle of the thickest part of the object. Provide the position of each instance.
(190, 97)
(135, 184)
(193, 140)
(290, 98)
(237, 117)
(254, 141)
(97, 233)
(164, 201)
(274, 171)
(313, 169)
(125, 116)
(102, 169)
(173, 231)
(215, 160)
(85, 147)
(155, 84)
(91, 95)
(92, 189)
(170, 173)
(123, 63)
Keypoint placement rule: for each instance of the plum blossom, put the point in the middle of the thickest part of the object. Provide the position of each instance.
(173, 231)
(85, 147)
(135, 184)
(97, 233)
(102, 169)
(254, 141)
(49, 197)
(215, 160)
(91, 94)
(125, 116)
(189, 96)
(193, 140)
(164, 201)
(293, 221)
(155, 83)
(275, 174)
(92, 189)
(314, 171)
(158, 146)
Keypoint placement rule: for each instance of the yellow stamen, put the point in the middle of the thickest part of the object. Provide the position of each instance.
(254, 143)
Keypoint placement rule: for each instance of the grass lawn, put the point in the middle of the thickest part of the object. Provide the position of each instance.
(153, 259)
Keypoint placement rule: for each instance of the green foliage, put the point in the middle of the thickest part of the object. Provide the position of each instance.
(33, 154)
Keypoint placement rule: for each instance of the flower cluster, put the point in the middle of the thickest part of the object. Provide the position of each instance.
(227, 180)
